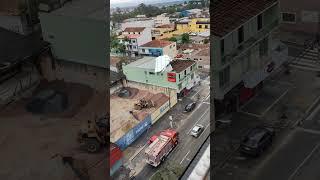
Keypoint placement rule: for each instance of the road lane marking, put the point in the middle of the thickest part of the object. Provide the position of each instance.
(198, 120)
(303, 162)
(206, 103)
(250, 114)
(137, 152)
(275, 102)
(309, 130)
(184, 157)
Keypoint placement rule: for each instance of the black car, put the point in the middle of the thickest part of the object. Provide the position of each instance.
(257, 140)
(189, 107)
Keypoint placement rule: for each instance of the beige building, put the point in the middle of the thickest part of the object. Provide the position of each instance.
(158, 48)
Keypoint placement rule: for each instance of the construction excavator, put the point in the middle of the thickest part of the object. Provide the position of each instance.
(94, 134)
(143, 104)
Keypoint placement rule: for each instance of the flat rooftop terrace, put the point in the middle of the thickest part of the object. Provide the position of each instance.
(121, 120)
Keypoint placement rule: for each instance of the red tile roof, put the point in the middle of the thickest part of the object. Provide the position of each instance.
(181, 65)
(226, 15)
(134, 29)
(157, 43)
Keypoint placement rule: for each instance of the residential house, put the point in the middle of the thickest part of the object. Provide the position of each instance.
(164, 31)
(159, 48)
(195, 25)
(245, 52)
(201, 56)
(75, 33)
(134, 37)
(138, 22)
(161, 20)
(201, 38)
(176, 75)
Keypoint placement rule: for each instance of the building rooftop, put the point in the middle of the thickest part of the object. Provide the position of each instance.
(134, 29)
(228, 15)
(121, 120)
(157, 43)
(166, 26)
(94, 9)
(180, 65)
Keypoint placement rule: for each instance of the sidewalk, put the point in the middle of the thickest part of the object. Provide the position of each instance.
(298, 98)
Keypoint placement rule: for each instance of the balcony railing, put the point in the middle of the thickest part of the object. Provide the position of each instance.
(247, 45)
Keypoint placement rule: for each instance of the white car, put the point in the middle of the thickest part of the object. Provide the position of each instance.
(196, 130)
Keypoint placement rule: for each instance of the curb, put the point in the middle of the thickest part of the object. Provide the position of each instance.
(307, 112)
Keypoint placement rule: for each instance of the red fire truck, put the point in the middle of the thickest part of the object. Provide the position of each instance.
(160, 146)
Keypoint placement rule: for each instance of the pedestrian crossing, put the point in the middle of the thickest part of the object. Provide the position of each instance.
(310, 60)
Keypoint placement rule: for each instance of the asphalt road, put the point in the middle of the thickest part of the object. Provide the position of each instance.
(298, 158)
(188, 145)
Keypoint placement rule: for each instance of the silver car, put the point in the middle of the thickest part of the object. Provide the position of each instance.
(196, 130)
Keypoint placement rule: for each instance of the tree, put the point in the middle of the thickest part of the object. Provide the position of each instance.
(185, 38)
(206, 41)
(173, 39)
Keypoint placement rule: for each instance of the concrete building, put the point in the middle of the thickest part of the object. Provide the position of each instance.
(159, 48)
(138, 22)
(300, 16)
(201, 56)
(76, 58)
(177, 75)
(201, 38)
(164, 31)
(194, 25)
(245, 51)
(161, 20)
(134, 37)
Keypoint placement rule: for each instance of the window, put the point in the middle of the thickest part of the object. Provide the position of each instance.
(143, 50)
(179, 86)
(179, 77)
(139, 33)
(200, 26)
(200, 67)
(222, 47)
(206, 26)
(259, 21)
(185, 72)
(288, 17)
(192, 76)
(240, 35)
(224, 76)
(151, 73)
(190, 68)
(263, 47)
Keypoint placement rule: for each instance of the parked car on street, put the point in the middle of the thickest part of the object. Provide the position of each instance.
(196, 130)
(257, 140)
(189, 107)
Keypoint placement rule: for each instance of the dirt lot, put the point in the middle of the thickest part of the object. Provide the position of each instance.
(31, 145)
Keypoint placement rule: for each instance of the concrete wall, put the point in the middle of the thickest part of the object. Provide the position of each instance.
(147, 23)
(95, 77)
(76, 39)
(157, 114)
(145, 37)
(171, 93)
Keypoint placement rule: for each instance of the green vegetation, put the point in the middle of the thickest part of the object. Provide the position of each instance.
(185, 38)
(170, 172)
(174, 39)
